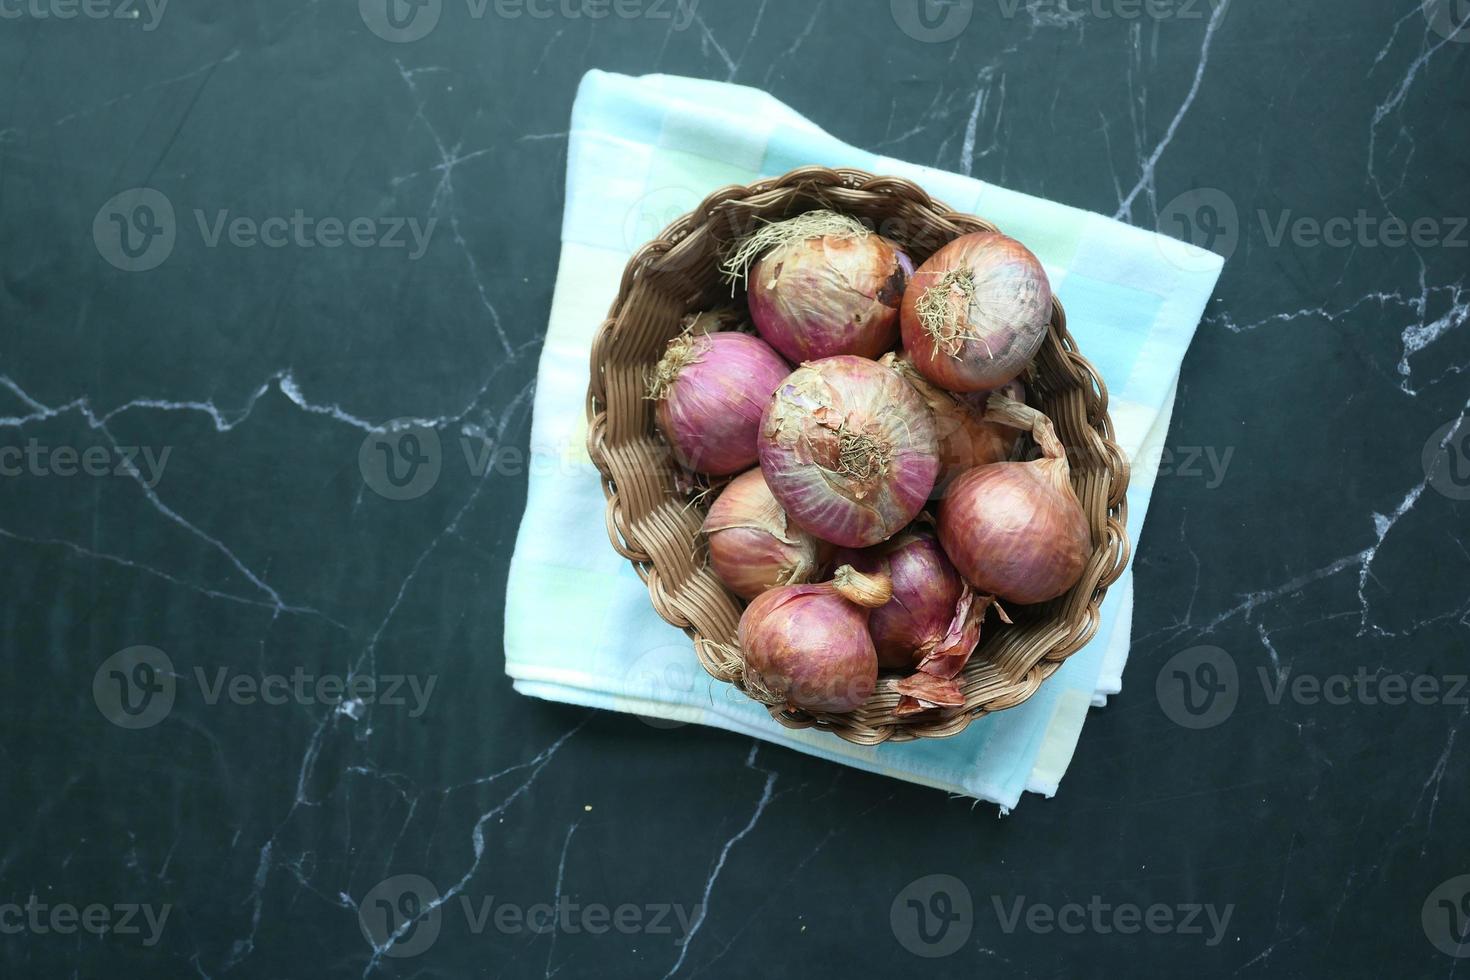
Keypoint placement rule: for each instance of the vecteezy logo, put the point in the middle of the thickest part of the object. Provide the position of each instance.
(1199, 687)
(665, 674)
(1449, 19)
(400, 21)
(401, 915)
(1206, 218)
(1446, 917)
(1447, 459)
(932, 21)
(933, 916)
(135, 230)
(135, 688)
(402, 462)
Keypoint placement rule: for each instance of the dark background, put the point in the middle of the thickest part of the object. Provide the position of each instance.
(1330, 371)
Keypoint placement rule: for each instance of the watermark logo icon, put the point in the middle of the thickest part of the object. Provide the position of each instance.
(401, 915)
(1447, 459)
(665, 674)
(1206, 218)
(933, 916)
(1449, 19)
(932, 21)
(400, 21)
(1199, 688)
(135, 688)
(402, 462)
(1446, 917)
(135, 230)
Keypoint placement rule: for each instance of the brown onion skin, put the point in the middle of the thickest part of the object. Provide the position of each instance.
(711, 414)
(926, 589)
(801, 442)
(1008, 319)
(966, 439)
(832, 295)
(809, 646)
(753, 545)
(1013, 533)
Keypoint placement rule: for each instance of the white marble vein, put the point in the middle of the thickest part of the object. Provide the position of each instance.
(719, 865)
(1151, 162)
(443, 198)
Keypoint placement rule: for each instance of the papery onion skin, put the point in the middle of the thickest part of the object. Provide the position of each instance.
(988, 330)
(753, 545)
(966, 439)
(711, 391)
(926, 590)
(820, 297)
(807, 646)
(849, 450)
(1017, 530)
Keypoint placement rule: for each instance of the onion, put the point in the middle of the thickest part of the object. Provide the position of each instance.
(966, 439)
(711, 390)
(821, 284)
(976, 313)
(849, 450)
(753, 546)
(1017, 530)
(929, 618)
(807, 646)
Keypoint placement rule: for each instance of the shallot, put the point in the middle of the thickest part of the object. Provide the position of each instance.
(849, 450)
(1017, 530)
(976, 313)
(807, 646)
(711, 390)
(753, 545)
(822, 284)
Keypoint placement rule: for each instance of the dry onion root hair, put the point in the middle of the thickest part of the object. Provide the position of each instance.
(938, 314)
(680, 354)
(812, 224)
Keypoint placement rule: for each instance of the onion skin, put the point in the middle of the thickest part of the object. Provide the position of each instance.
(753, 545)
(831, 295)
(1017, 530)
(966, 439)
(711, 391)
(807, 646)
(849, 450)
(926, 591)
(992, 328)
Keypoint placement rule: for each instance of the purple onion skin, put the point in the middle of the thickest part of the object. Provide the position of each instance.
(809, 646)
(827, 296)
(926, 589)
(1005, 324)
(711, 413)
(1014, 533)
(813, 420)
(753, 546)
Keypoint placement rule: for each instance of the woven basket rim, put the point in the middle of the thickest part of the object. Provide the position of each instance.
(646, 532)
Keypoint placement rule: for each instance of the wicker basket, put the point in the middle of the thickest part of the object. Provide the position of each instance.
(654, 520)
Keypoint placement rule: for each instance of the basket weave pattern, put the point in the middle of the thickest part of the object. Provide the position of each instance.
(654, 521)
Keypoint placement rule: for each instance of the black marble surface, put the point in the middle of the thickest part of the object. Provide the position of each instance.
(1329, 381)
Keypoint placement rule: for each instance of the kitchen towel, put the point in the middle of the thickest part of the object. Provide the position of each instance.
(579, 624)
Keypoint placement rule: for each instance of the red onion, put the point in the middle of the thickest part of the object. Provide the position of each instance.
(753, 546)
(823, 285)
(1017, 530)
(807, 646)
(711, 390)
(976, 313)
(925, 618)
(966, 439)
(849, 450)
